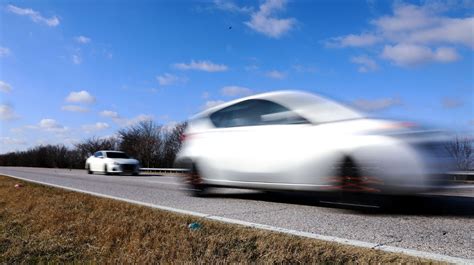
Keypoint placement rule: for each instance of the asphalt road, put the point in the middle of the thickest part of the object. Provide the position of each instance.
(437, 223)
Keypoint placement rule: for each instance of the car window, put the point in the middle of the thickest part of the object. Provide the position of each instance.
(254, 113)
(116, 155)
(98, 154)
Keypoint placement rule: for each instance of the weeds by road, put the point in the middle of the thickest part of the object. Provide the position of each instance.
(43, 224)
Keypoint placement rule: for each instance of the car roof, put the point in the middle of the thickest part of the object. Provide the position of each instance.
(291, 99)
(268, 96)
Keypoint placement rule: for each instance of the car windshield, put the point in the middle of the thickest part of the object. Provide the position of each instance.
(319, 109)
(117, 155)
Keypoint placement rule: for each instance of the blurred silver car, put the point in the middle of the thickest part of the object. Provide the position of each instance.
(290, 140)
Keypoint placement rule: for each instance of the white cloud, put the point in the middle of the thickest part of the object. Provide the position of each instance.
(366, 64)
(137, 119)
(411, 54)
(212, 103)
(7, 113)
(406, 17)
(74, 108)
(263, 21)
(11, 141)
(98, 126)
(76, 59)
(230, 6)
(416, 34)
(304, 69)
(206, 66)
(5, 87)
(232, 91)
(80, 97)
(51, 125)
(353, 40)
(109, 114)
(376, 104)
(34, 15)
(116, 118)
(167, 79)
(4, 52)
(82, 39)
(275, 74)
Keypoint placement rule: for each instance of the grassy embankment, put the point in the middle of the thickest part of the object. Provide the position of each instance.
(44, 224)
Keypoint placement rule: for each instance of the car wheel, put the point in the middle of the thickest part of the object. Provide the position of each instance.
(106, 171)
(88, 167)
(353, 185)
(194, 181)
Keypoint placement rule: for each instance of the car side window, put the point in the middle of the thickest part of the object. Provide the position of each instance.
(98, 154)
(255, 112)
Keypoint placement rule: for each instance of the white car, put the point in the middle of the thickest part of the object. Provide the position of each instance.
(112, 162)
(296, 141)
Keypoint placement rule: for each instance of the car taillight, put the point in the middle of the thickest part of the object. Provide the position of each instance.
(182, 137)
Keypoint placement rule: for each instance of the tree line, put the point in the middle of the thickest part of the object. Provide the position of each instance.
(152, 144)
(155, 145)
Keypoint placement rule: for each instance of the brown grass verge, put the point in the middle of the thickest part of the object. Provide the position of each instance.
(44, 224)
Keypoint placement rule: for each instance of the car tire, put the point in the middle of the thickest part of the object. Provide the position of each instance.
(354, 186)
(88, 168)
(106, 171)
(194, 182)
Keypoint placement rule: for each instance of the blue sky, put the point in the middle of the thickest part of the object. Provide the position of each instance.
(75, 69)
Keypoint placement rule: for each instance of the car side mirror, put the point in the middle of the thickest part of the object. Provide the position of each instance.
(101, 157)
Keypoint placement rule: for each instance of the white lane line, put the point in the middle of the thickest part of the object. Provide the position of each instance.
(357, 243)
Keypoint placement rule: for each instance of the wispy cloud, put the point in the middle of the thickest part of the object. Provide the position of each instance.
(366, 64)
(11, 141)
(76, 59)
(80, 97)
(233, 91)
(82, 39)
(51, 125)
(98, 126)
(74, 108)
(206, 66)
(4, 52)
(122, 121)
(276, 74)
(34, 15)
(7, 113)
(5, 87)
(212, 103)
(415, 34)
(411, 54)
(230, 6)
(376, 104)
(167, 79)
(353, 40)
(265, 22)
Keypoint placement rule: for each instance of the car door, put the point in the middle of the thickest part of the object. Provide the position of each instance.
(97, 162)
(260, 139)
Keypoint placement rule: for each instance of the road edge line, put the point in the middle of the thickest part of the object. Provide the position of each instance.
(344, 241)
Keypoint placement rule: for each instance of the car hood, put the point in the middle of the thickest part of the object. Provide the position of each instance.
(124, 160)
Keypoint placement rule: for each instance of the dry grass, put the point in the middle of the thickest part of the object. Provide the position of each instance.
(42, 224)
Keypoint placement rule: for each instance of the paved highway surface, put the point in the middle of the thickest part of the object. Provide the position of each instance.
(437, 223)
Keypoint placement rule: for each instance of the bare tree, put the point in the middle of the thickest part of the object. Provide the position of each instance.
(172, 143)
(89, 146)
(461, 149)
(142, 141)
